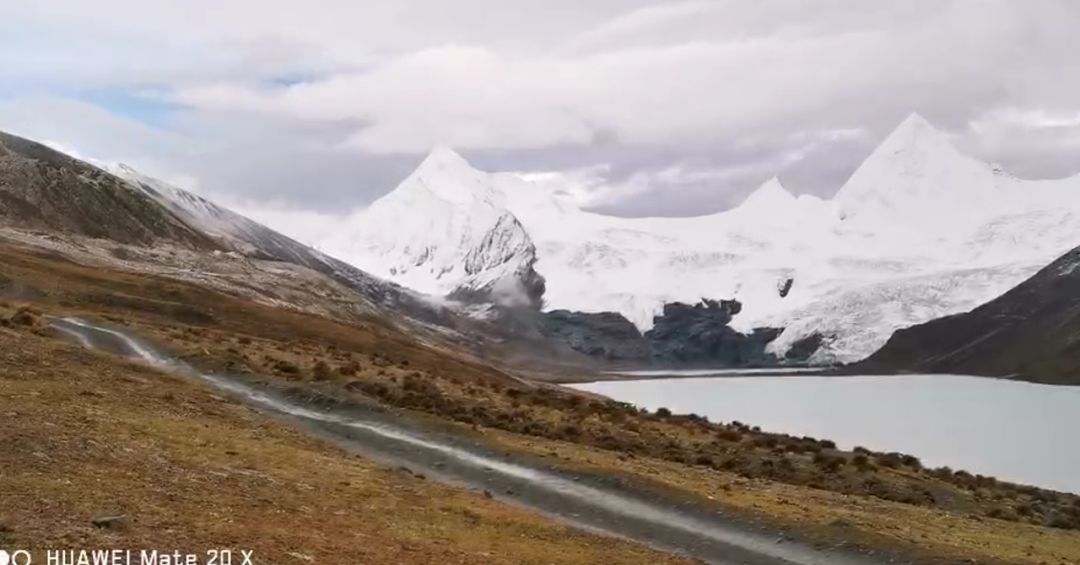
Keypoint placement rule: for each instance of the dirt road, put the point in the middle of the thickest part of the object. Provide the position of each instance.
(595, 503)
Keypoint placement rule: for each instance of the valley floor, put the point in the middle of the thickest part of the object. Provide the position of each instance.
(91, 434)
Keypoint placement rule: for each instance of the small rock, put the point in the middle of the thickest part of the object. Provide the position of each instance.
(510, 492)
(110, 521)
(487, 494)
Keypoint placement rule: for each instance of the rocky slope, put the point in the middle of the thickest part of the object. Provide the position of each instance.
(1031, 332)
(43, 189)
(918, 232)
(46, 190)
(239, 234)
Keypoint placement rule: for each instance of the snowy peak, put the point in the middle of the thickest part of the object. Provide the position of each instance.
(445, 230)
(448, 176)
(769, 196)
(916, 171)
(442, 157)
(919, 230)
(917, 142)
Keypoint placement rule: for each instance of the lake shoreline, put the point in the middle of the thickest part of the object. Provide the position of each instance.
(725, 373)
(1009, 429)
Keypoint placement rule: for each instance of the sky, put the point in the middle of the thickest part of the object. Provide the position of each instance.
(307, 110)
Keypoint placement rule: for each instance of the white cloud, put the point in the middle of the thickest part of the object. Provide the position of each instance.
(687, 92)
(688, 103)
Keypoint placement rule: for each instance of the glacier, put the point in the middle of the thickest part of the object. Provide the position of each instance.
(919, 231)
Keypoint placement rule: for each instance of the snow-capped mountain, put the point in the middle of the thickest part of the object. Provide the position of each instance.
(446, 230)
(919, 231)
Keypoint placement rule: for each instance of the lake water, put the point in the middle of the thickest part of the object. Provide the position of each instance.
(1015, 431)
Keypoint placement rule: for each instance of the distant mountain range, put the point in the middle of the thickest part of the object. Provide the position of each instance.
(918, 232)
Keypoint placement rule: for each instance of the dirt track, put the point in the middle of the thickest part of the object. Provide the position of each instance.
(591, 502)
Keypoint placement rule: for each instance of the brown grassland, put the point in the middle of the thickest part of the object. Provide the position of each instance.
(184, 461)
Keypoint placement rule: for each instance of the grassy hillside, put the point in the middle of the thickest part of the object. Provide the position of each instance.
(876, 499)
(88, 435)
(44, 189)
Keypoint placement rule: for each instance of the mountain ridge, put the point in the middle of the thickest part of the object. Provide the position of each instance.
(41, 188)
(918, 219)
(1028, 332)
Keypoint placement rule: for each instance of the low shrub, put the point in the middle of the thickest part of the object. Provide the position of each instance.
(321, 371)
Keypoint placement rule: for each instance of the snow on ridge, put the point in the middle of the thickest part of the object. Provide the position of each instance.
(918, 231)
(445, 228)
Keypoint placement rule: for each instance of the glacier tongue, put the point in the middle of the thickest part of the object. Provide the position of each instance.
(919, 231)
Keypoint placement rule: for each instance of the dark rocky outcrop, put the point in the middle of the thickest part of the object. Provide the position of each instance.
(801, 349)
(784, 288)
(1031, 332)
(525, 288)
(605, 335)
(700, 333)
(684, 334)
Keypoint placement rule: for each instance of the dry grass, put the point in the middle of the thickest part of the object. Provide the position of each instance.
(86, 434)
(930, 535)
(881, 499)
(493, 401)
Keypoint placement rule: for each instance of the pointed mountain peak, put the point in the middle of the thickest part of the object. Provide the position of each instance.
(913, 134)
(769, 195)
(774, 187)
(448, 176)
(915, 122)
(443, 157)
(917, 168)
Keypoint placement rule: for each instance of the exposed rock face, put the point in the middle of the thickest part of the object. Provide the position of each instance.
(801, 350)
(684, 334)
(605, 335)
(700, 334)
(1030, 332)
(784, 287)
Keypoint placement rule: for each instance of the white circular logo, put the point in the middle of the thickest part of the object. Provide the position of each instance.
(4, 557)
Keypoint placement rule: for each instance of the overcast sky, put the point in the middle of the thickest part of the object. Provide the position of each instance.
(666, 107)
